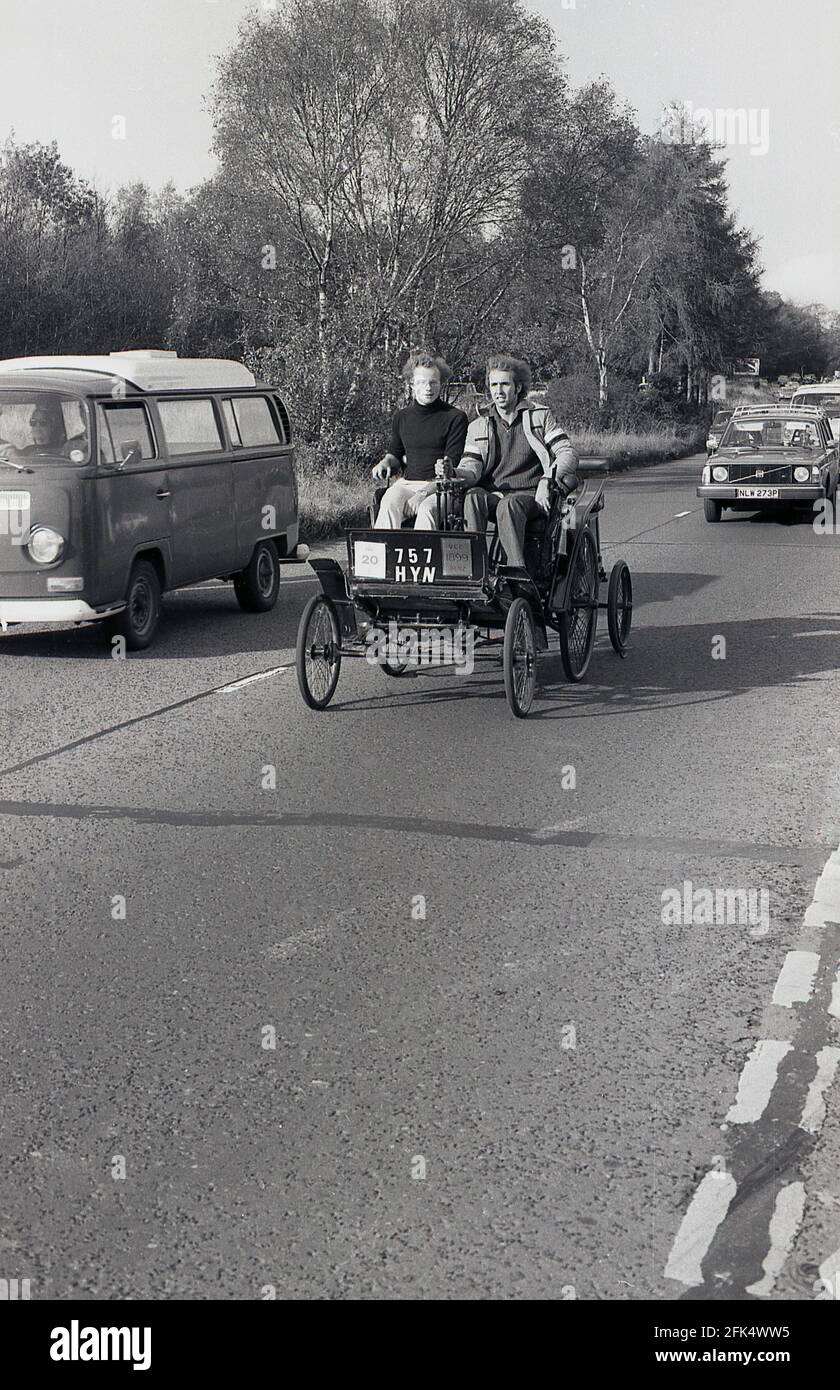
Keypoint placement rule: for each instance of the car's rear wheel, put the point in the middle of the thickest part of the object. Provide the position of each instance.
(712, 509)
(138, 621)
(318, 652)
(577, 623)
(257, 586)
(519, 657)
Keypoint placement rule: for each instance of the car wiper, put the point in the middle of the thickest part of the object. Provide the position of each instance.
(21, 467)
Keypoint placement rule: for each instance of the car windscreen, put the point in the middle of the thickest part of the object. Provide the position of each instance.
(43, 427)
(829, 401)
(780, 432)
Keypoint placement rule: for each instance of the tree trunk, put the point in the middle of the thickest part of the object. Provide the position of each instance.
(602, 378)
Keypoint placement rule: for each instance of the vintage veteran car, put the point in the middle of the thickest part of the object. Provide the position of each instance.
(127, 475)
(770, 455)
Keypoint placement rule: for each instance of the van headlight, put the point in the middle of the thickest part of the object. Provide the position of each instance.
(719, 473)
(801, 474)
(45, 545)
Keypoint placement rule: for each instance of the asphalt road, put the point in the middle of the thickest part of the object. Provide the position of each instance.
(409, 1024)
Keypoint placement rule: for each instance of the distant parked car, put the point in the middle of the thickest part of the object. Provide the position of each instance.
(770, 455)
(716, 429)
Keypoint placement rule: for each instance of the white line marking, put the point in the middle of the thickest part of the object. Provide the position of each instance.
(834, 1006)
(813, 1113)
(830, 1276)
(706, 1211)
(249, 680)
(796, 978)
(678, 514)
(757, 1080)
(784, 1223)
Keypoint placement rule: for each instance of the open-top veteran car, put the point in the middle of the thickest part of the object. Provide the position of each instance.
(425, 583)
(771, 456)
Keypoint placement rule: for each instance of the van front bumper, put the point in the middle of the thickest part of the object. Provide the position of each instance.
(788, 492)
(52, 610)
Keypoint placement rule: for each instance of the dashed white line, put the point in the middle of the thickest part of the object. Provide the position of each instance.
(679, 514)
(755, 1085)
(784, 1223)
(706, 1211)
(249, 680)
(830, 1276)
(813, 1111)
(834, 1006)
(796, 978)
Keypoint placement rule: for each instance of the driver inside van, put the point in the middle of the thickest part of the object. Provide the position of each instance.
(49, 435)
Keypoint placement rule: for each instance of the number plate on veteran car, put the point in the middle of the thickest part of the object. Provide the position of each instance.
(416, 564)
(765, 492)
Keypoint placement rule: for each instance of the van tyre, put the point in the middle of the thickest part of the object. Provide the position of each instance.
(138, 622)
(712, 509)
(257, 586)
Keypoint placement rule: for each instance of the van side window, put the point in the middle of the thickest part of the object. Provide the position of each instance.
(190, 426)
(125, 427)
(255, 425)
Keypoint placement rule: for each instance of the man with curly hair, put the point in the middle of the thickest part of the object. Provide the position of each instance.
(513, 450)
(421, 433)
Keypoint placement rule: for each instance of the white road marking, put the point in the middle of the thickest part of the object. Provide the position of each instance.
(813, 1112)
(249, 680)
(706, 1211)
(679, 514)
(834, 1006)
(784, 1223)
(796, 978)
(757, 1080)
(830, 1276)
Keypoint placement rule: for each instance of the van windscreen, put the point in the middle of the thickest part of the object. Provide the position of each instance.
(43, 426)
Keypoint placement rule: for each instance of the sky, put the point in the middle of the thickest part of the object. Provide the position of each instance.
(69, 67)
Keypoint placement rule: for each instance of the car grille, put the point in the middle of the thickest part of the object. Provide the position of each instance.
(773, 473)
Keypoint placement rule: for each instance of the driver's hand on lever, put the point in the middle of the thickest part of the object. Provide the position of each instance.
(543, 494)
(381, 471)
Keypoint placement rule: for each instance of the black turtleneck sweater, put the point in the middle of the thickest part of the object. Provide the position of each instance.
(424, 433)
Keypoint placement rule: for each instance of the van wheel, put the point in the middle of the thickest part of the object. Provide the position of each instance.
(138, 622)
(257, 586)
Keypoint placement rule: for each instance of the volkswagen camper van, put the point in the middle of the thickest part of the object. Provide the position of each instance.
(127, 475)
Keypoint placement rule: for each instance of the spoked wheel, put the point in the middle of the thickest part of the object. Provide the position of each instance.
(578, 621)
(318, 652)
(619, 606)
(519, 657)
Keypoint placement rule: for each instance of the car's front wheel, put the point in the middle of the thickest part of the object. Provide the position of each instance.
(138, 621)
(712, 509)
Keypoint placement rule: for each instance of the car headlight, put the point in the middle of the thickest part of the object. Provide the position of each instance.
(45, 545)
(720, 474)
(801, 474)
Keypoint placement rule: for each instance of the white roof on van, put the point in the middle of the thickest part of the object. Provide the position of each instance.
(148, 369)
(815, 388)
